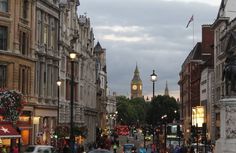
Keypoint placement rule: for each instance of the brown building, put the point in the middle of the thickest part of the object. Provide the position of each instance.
(190, 76)
(17, 59)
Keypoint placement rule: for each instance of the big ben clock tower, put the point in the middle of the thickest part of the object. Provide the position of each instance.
(136, 85)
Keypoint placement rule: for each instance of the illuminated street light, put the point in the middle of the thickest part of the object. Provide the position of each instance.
(72, 137)
(153, 79)
(58, 100)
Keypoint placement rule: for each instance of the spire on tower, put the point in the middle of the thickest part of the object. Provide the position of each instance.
(166, 90)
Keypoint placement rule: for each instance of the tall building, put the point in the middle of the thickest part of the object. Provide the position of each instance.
(198, 59)
(101, 80)
(46, 68)
(136, 85)
(224, 31)
(17, 57)
(36, 37)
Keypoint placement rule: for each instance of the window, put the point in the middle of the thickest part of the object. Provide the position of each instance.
(24, 77)
(4, 5)
(39, 27)
(3, 38)
(204, 91)
(24, 43)
(3, 76)
(45, 30)
(24, 8)
(53, 33)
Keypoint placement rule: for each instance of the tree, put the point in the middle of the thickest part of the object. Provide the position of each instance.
(162, 105)
(131, 111)
(11, 104)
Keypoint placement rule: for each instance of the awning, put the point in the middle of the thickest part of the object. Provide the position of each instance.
(8, 131)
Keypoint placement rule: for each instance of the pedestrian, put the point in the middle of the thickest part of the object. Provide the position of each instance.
(4, 149)
(153, 148)
(127, 139)
(66, 149)
(142, 150)
(114, 148)
(15, 149)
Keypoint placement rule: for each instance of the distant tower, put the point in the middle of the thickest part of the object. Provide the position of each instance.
(136, 85)
(166, 90)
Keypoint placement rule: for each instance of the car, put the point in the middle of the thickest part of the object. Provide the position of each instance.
(128, 148)
(100, 151)
(201, 147)
(39, 149)
(148, 137)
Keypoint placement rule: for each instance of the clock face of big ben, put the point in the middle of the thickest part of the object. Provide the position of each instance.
(134, 87)
(140, 87)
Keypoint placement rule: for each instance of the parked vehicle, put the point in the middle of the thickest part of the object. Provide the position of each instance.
(39, 149)
(201, 148)
(129, 148)
(148, 137)
(100, 151)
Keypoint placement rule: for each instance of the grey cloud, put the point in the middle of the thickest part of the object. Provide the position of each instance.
(162, 21)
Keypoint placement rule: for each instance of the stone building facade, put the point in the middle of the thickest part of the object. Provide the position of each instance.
(17, 56)
(223, 27)
(101, 80)
(36, 39)
(46, 69)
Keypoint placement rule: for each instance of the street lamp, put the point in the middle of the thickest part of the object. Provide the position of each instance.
(164, 117)
(58, 99)
(153, 79)
(72, 137)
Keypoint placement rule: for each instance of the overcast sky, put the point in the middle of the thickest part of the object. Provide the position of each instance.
(151, 33)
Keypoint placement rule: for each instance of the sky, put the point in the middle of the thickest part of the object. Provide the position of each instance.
(149, 33)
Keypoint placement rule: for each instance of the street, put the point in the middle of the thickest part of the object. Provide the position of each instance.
(139, 142)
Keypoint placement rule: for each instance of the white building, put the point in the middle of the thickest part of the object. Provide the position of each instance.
(223, 26)
(206, 100)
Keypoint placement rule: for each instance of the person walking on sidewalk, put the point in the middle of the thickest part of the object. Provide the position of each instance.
(114, 148)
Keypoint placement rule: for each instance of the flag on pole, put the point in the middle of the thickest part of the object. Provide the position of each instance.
(190, 20)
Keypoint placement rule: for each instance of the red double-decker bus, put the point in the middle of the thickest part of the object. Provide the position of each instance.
(122, 129)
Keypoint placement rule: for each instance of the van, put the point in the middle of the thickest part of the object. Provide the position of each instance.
(39, 149)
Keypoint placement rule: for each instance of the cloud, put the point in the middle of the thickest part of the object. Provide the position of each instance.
(119, 28)
(210, 2)
(151, 33)
(113, 37)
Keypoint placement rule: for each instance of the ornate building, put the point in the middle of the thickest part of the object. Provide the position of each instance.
(101, 77)
(46, 68)
(224, 31)
(17, 57)
(87, 105)
(36, 39)
(136, 85)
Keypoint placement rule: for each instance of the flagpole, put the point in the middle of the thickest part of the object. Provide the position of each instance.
(193, 30)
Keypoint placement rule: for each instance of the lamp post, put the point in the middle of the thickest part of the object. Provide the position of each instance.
(164, 119)
(72, 137)
(153, 79)
(58, 99)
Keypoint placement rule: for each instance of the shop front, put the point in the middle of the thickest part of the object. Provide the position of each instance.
(45, 128)
(9, 136)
